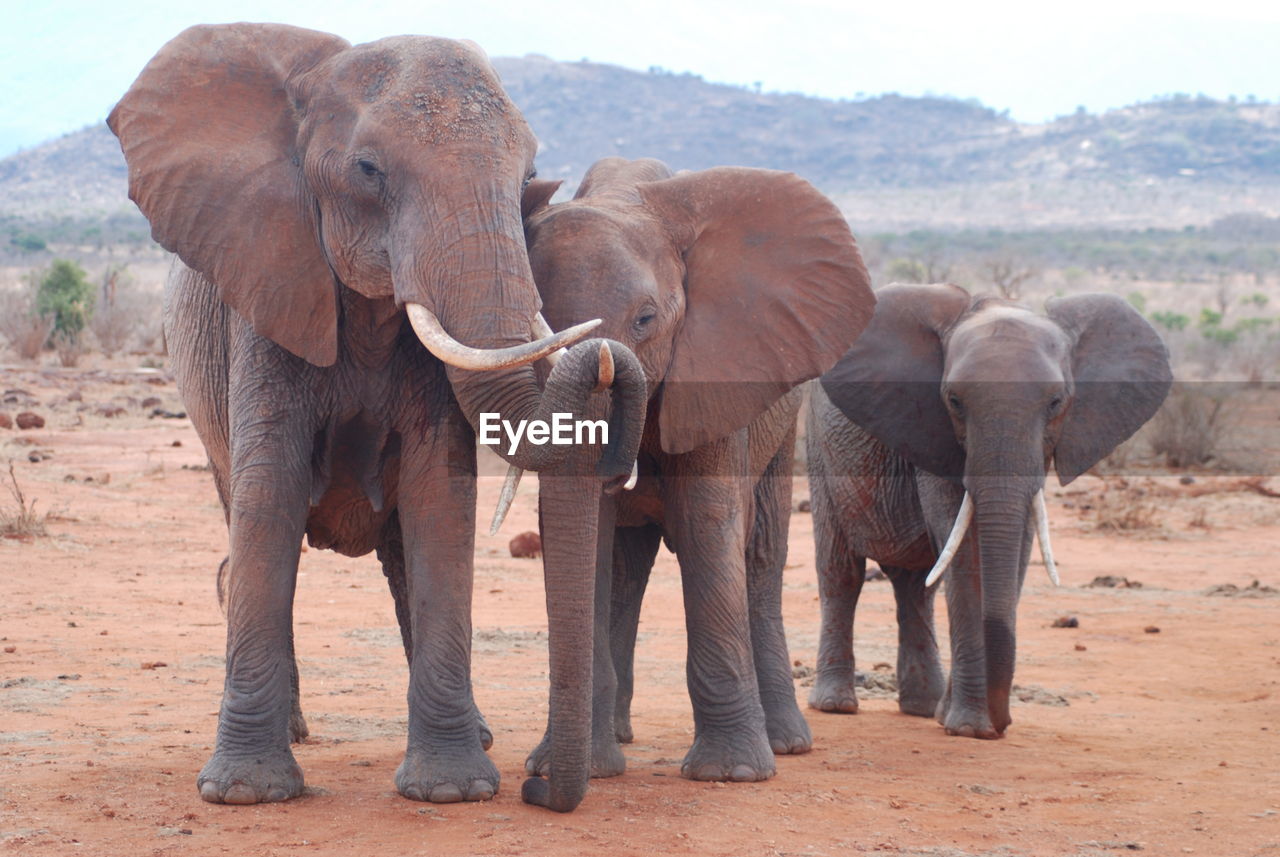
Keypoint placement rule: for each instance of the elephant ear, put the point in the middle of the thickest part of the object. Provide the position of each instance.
(1122, 375)
(775, 292)
(889, 382)
(537, 196)
(209, 131)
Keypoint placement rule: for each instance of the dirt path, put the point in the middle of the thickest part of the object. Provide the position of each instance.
(1166, 742)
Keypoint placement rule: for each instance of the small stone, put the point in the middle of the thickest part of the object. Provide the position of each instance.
(1080, 648)
(1151, 629)
(527, 545)
(9, 650)
(6, 421)
(804, 506)
(109, 411)
(29, 420)
(1187, 480)
(150, 402)
(1066, 622)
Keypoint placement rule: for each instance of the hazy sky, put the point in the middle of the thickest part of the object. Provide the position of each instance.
(63, 63)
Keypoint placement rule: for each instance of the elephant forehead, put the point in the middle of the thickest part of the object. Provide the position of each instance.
(430, 89)
(1006, 344)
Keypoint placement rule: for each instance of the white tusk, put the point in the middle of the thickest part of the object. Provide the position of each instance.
(541, 330)
(1042, 531)
(631, 480)
(508, 494)
(433, 335)
(963, 519)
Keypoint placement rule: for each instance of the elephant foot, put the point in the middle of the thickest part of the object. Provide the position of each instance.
(787, 729)
(967, 722)
(735, 755)
(447, 777)
(918, 706)
(834, 693)
(298, 730)
(622, 727)
(486, 734)
(606, 759)
(237, 779)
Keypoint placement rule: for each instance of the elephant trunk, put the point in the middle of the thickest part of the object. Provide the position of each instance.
(475, 287)
(1003, 486)
(569, 504)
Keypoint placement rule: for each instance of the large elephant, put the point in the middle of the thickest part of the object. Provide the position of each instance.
(335, 209)
(732, 286)
(928, 446)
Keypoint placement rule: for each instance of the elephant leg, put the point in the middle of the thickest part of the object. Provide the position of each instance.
(444, 760)
(268, 494)
(707, 503)
(766, 559)
(920, 680)
(391, 555)
(634, 550)
(841, 573)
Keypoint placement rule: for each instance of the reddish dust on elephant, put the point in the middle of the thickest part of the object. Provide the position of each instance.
(111, 674)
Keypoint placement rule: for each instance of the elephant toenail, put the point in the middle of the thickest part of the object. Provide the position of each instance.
(413, 793)
(277, 794)
(480, 790)
(447, 793)
(742, 774)
(209, 791)
(239, 793)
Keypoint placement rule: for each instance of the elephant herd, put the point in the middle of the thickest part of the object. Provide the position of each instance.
(367, 265)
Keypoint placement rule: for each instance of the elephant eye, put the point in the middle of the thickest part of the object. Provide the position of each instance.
(1055, 405)
(953, 401)
(644, 319)
(369, 168)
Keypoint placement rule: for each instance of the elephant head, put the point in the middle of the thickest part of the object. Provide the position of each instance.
(989, 394)
(731, 286)
(284, 164)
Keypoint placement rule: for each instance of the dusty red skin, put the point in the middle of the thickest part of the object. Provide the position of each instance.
(1169, 740)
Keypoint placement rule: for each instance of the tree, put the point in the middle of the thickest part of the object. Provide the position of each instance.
(65, 294)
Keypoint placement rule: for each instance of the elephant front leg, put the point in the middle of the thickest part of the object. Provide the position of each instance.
(766, 559)
(920, 681)
(841, 574)
(707, 504)
(269, 489)
(444, 761)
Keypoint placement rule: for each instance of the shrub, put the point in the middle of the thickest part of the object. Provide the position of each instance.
(1189, 429)
(25, 329)
(122, 309)
(64, 292)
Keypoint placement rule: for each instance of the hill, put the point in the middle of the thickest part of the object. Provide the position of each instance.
(892, 162)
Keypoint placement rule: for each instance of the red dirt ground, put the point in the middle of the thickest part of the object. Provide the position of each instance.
(1166, 742)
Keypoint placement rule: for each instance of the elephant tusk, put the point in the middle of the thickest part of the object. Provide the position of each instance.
(541, 330)
(1042, 531)
(631, 480)
(963, 518)
(433, 335)
(604, 372)
(508, 494)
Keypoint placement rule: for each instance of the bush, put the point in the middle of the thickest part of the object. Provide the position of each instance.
(122, 310)
(25, 329)
(65, 293)
(1189, 429)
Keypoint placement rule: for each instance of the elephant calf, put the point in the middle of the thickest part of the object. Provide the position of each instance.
(949, 409)
(732, 286)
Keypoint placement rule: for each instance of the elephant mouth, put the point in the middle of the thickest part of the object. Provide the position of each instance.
(964, 519)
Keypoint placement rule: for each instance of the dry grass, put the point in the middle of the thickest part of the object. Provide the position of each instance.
(26, 331)
(23, 522)
(1125, 508)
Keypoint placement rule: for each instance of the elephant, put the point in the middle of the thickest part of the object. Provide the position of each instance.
(351, 293)
(732, 286)
(950, 408)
